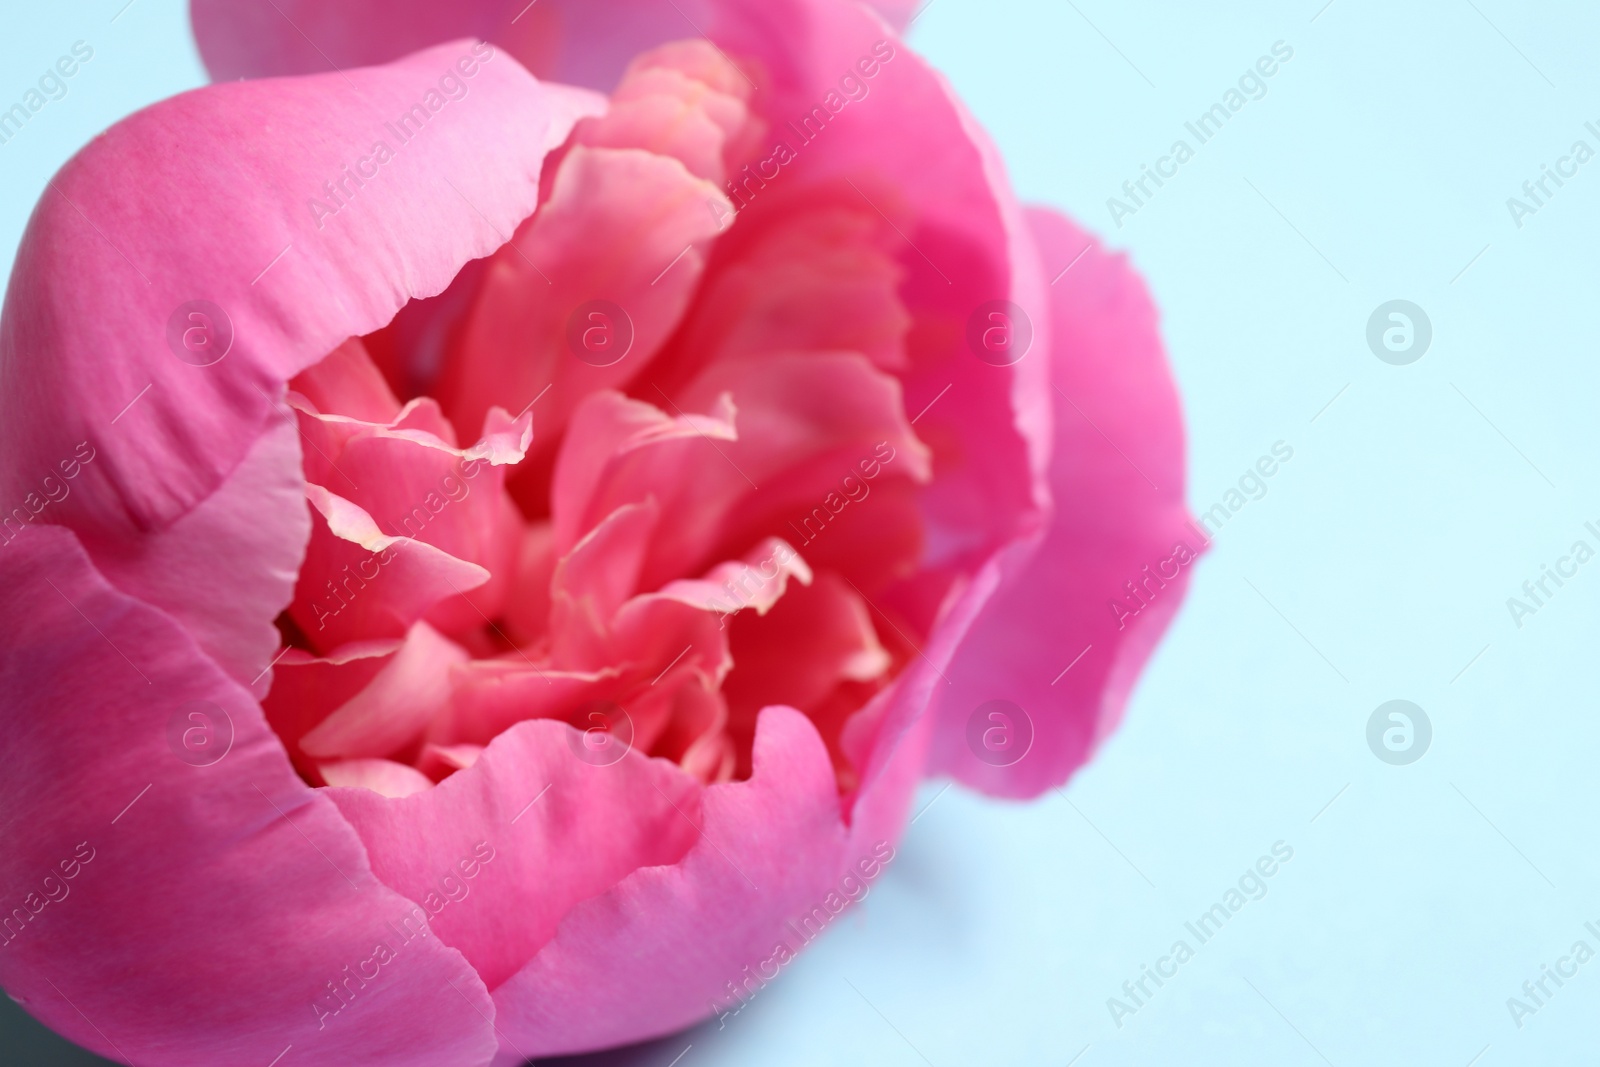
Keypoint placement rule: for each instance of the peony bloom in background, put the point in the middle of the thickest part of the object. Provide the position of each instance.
(493, 552)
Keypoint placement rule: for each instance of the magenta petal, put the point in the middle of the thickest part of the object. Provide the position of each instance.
(159, 815)
(1118, 437)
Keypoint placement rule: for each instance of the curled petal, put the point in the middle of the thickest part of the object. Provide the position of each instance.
(359, 583)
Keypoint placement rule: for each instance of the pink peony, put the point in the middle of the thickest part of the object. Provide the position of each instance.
(486, 562)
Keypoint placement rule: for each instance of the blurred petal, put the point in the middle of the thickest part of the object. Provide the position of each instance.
(1118, 480)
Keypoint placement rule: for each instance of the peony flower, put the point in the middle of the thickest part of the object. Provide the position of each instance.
(487, 558)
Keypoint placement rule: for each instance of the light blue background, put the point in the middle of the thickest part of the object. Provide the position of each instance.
(1415, 504)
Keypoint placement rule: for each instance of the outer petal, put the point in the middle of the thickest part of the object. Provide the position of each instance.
(1117, 424)
(553, 830)
(577, 41)
(233, 891)
(259, 513)
(126, 238)
(769, 849)
(574, 41)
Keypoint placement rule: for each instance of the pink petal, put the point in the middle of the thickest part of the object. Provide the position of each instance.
(499, 852)
(105, 695)
(815, 639)
(307, 688)
(406, 474)
(395, 708)
(807, 423)
(1118, 423)
(767, 850)
(358, 583)
(384, 777)
(818, 652)
(348, 382)
(621, 227)
(596, 578)
(192, 569)
(567, 40)
(682, 100)
(493, 695)
(621, 451)
(809, 269)
(440, 761)
(908, 151)
(737, 585)
(564, 40)
(527, 611)
(99, 277)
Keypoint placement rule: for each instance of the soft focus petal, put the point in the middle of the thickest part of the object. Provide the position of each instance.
(1118, 479)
